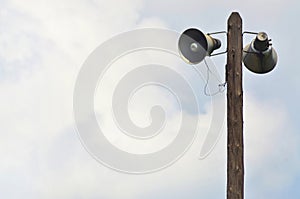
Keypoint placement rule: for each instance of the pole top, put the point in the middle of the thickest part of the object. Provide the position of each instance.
(234, 17)
(235, 14)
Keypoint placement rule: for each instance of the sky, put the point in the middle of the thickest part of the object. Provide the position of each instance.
(43, 45)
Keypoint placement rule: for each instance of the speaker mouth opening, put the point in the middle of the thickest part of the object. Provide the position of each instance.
(192, 46)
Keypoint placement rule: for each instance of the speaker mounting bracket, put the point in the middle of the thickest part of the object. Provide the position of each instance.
(249, 32)
(215, 33)
(220, 53)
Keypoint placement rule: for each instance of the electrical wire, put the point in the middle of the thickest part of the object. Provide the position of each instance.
(222, 86)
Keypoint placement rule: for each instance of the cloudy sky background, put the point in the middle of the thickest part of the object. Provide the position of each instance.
(42, 47)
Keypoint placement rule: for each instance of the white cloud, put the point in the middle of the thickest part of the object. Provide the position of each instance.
(41, 49)
(271, 147)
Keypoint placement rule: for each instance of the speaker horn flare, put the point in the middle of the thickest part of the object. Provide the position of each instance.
(194, 45)
(259, 56)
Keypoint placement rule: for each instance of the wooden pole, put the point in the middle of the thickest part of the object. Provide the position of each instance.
(235, 148)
